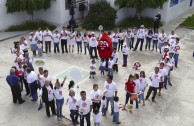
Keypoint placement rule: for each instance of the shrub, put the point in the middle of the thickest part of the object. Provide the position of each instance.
(31, 25)
(100, 13)
(189, 22)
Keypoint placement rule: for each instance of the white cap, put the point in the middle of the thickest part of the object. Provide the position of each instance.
(124, 44)
(92, 33)
(142, 26)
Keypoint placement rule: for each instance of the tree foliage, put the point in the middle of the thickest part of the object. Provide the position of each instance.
(100, 13)
(29, 6)
(140, 5)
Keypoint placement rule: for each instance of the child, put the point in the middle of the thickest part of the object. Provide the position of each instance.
(92, 69)
(110, 67)
(97, 116)
(116, 110)
(102, 67)
(39, 45)
(115, 56)
(103, 106)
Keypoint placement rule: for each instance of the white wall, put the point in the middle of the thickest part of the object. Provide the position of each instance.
(7, 20)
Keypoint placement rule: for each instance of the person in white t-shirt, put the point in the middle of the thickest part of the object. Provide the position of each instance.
(64, 35)
(110, 66)
(168, 66)
(84, 106)
(140, 37)
(86, 43)
(97, 117)
(110, 91)
(155, 41)
(116, 110)
(72, 102)
(162, 37)
(115, 56)
(115, 39)
(125, 55)
(73, 86)
(155, 78)
(93, 43)
(56, 37)
(164, 73)
(71, 40)
(176, 48)
(96, 96)
(33, 43)
(136, 89)
(92, 69)
(172, 38)
(79, 42)
(128, 36)
(39, 35)
(102, 67)
(58, 93)
(121, 39)
(47, 38)
(21, 74)
(39, 46)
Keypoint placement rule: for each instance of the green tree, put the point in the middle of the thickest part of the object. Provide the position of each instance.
(140, 5)
(29, 6)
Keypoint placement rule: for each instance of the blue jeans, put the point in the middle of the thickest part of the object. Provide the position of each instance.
(116, 117)
(176, 58)
(125, 59)
(87, 116)
(148, 42)
(79, 46)
(110, 72)
(115, 44)
(111, 102)
(33, 89)
(103, 110)
(56, 47)
(155, 44)
(74, 115)
(141, 96)
(129, 42)
(86, 46)
(59, 104)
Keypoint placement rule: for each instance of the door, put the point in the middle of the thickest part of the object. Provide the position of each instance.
(191, 3)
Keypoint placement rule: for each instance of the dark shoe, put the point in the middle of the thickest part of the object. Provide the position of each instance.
(48, 116)
(33, 100)
(153, 100)
(22, 102)
(39, 108)
(111, 113)
(170, 84)
(140, 49)
(165, 87)
(134, 50)
(14, 102)
(54, 114)
(118, 123)
(76, 122)
(146, 99)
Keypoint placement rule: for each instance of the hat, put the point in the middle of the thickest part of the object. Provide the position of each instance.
(161, 62)
(31, 33)
(92, 33)
(171, 52)
(142, 26)
(124, 44)
(167, 57)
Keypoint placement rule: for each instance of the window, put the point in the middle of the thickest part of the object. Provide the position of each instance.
(173, 2)
(68, 4)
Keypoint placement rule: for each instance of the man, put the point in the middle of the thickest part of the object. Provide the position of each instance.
(14, 83)
(115, 56)
(125, 51)
(84, 106)
(157, 19)
(64, 35)
(39, 36)
(93, 45)
(48, 98)
(140, 37)
(47, 38)
(115, 39)
(172, 38)
(176, 48)
(82, 8)
(164, 73)
(155, 77)
(56, 37)
(32, 82)
(110, 91)
(162, 38)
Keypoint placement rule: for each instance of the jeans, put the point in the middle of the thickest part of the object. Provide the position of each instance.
(74, 115)
(47, 46)
(56, 47)
(137, 43)
(155, 43)
(40, 51)
(148, 42)
(95, 51)
(125, 59)
(33, 88)
(128, 40)
(64, 43)
(87, 116)
(111, 99)
(103, 110)
(79, 46)
(120, 45)
(176, 58)
(59, 104)
(110, 72)
(115, 44)
(86, 46)
(116, 117)
(150, 91)
(96, 124)
(141, 96)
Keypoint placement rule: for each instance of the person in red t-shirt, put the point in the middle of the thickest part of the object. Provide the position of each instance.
(129, 88)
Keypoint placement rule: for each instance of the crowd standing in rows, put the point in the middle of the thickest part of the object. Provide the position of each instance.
(51, 92)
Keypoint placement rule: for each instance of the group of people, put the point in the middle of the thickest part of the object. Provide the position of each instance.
(51, 92)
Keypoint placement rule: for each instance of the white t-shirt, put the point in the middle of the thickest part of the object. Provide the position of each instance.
(172, 39)
(116, 106)
(39, 46)
(50, 93)
(78, 38)
(176, 47)
(110, 64)
(141, 33)
(162, 37)
(125, 50)
(33, 39)
(43, 79)
(121, 36)
(115, 37)
(167, 66)
(171, 60)
(115, 57)
(92, 67)
(97, 117)
(163, 72)
(103, 63)
(56, 37)
(59, 93)
(155, 36)
(47, 35)
(20, 70)
(93, 42)
(110, 89)
(155, 79)
(64, 34)
(31, 77)
(85, 39)
(137, 86)
(95, 95)
(84, 106)
(39, 35)
(143, 83)
(72, 102)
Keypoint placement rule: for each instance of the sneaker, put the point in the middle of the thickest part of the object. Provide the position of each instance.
(22, 102)
(153, 100)
(118, 123)
(170, 84)
(39, 108)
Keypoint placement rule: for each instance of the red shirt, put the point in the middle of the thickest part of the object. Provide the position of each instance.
(130, 86)
(17, 72)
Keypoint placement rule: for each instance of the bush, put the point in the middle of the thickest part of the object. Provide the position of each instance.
(135, 22)
(100, 13)
(31, 25)
(189, 22)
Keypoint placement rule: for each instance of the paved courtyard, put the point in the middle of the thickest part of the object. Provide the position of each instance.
(174, 108)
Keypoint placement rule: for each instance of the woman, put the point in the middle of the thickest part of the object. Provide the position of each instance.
(58, 93)
(129, 88)
(155, 40)
(73, 87)
(79, 42)
(121, 39)
(86, 43)
(95, 96)
(71, 40)
(33, 43)
(143, 85)
(148, 39)
(128, 38)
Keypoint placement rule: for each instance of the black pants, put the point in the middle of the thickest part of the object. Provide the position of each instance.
(52, 105)
(21, 82)
(42, 44)
(120, 45)
(96, 105)
(56, 47)
(26, 86)
(47, 46)
(74, 115)
(156, 25)
(150, 91)
(115, 67)
(132, 41)
(16, 93)
(95, 51)
(137, 43)
(64, 43)
(131, 102)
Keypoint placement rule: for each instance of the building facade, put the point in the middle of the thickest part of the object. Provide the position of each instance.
(58, 13)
